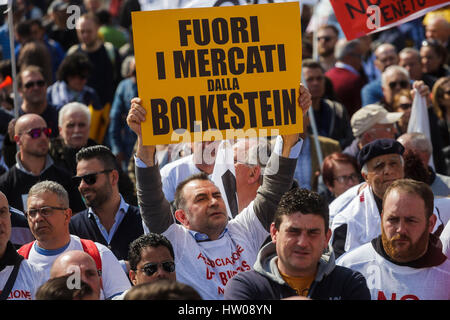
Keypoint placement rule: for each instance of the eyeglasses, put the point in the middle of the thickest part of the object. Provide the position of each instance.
(387, 129)
(447, 92)
(44, 211)
(324, 38)
(346, 179)
(39, 83)
(150, 268)
(402, 83)
(90, 178)
(36, 132)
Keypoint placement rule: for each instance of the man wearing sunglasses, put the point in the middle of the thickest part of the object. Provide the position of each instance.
(208, 248)
(109, 219)
(327, 37)
(151, 258)
(48, 215)
(33, 164)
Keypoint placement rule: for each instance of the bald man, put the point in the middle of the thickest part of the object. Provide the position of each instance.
(33, 164)
(79, 264)
(438, 28)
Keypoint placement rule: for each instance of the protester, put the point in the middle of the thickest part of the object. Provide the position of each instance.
(421, 145)
(109, 219)
(151, 258)
(57, 289)
(202, 213)
(327, 37)
(404, 263)
(19, 279)
(339, 173)
(48, 215)
(357, 222)
(347, 76)
(162, 289)
(294, 263)
(33, 164)
(71, 86)
(331, 117)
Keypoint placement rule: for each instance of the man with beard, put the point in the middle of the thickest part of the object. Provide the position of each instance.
(358, 222)
(404, 263)
(33, 164)
(108, 220)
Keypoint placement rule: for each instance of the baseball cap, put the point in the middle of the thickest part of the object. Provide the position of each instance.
(378, 148)
(370, 115)
(57, 5)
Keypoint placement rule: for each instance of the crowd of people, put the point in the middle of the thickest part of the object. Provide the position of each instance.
(88, 212)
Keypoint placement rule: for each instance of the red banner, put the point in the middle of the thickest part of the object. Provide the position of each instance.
(360, 17)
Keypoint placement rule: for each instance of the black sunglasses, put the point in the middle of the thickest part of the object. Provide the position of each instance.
(151, 267)
(402, 83)
(39, 83)
(36, 132)
(90, 178)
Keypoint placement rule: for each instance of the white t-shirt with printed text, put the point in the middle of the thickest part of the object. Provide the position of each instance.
(388, 281)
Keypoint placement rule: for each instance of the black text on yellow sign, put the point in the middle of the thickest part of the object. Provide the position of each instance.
(228, 68)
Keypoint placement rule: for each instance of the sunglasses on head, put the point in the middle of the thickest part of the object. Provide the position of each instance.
(150, 268)
(36, 132)
(402, 83)
(90, 178)
(30, 84)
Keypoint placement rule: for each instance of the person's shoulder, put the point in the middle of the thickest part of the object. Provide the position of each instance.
(179, 164)
(358, 256)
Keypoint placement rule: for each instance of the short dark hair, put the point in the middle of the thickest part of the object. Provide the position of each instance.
(312, 64)
(147, 240)
(74, 64)
(179, 200)
(419, 188)
(304, 201)
(162, 289)
(99, 152)
(330, 26)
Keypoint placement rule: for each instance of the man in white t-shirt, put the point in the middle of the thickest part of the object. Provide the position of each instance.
(209, 249)
(48, 215)
(406, 262)
(27, 277)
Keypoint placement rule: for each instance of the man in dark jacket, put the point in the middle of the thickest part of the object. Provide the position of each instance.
(296, 262)
(108, 220)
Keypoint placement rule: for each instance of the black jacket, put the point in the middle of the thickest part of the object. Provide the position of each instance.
(83, 225)
(265, 282)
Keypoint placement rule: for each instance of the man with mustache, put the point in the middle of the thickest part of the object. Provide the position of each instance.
(381, 164)
(404, 263)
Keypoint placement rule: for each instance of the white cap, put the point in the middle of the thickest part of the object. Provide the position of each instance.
(369, 115)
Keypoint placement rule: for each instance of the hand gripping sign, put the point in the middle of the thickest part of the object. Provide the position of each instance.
(360, 17)
(218, 73)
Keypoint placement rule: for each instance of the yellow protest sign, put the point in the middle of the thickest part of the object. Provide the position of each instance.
(208, 73)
